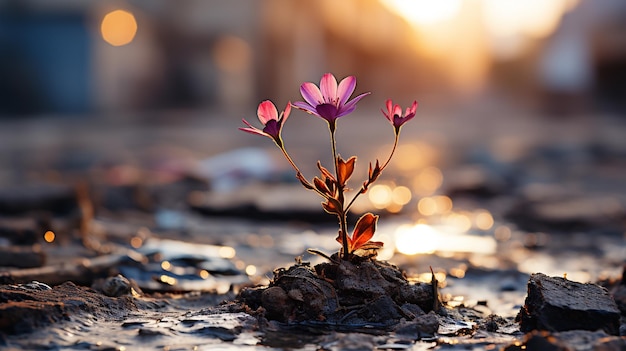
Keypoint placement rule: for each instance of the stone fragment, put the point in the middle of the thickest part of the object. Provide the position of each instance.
(558, 304)
(568, 341)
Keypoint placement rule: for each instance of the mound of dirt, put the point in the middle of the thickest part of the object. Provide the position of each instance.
(342, 292)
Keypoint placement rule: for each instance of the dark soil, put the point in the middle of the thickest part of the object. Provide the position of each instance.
(342, 293)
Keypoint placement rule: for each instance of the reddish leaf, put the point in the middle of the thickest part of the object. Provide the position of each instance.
(321, 186)
(363, 231)
(345, 169)
(332, 206)
(325, 173)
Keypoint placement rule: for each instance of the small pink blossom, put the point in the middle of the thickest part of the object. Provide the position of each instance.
(272, 122)
(394, 114)
(329, 101)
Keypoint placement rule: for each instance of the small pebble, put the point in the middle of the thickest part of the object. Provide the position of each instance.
(116, 286)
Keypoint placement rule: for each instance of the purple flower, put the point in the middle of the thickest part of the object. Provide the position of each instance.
(394, 114)
(329, 101)
(272, 122)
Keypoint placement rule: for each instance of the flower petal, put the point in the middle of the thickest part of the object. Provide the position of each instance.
(285, 114)
(328, 87)
(412, 109)
(267, 111)
(304, 106)
(345, 89)
(253, 131)
(350, 106)
(311, 94)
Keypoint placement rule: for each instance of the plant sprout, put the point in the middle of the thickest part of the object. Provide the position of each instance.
(329, 101)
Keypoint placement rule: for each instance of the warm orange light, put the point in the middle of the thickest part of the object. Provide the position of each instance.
(414, 239)
(118, 27)
(227, 252)
(232, 54)
(166, 279)
(136, 242)
(380, 196)
(427, 206)
(49, 236)
(444, 204)
(251, 270)
(483, 220)
(509, 22)
(424, 12)
(401, 195)
(427, 181)
(536, 18)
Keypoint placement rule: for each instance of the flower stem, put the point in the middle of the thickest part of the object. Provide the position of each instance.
(307, 184)
(364, 186)
(340, 188)
(393, 150)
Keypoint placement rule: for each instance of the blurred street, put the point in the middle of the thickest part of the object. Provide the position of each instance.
(119, 137)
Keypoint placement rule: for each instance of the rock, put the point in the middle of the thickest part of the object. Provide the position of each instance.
(424, 326)
(569, 340)
(278, 304)
(24, 308)
(558, 304)
(538, 340)
(116, 286)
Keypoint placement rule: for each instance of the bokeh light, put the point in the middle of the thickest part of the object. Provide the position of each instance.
(435, 205)
(232, 54)
(380, 195)
(427, 181)
(483, 220)
(136, 242)
(251, 270)
(118, 27)
(49, 236)
(227, 252)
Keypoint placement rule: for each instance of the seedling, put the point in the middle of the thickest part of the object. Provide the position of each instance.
(329, 101)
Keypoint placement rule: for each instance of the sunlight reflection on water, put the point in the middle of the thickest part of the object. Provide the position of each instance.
(425, 239)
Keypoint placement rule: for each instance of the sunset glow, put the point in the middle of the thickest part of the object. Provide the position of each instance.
(424, 12)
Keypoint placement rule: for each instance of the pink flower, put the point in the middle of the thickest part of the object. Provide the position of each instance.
(394, 114)
(329, 101)
(272, 122)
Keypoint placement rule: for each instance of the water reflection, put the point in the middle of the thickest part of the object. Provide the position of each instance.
(452, 237)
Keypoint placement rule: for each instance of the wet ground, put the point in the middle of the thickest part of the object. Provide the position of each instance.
(191, 210)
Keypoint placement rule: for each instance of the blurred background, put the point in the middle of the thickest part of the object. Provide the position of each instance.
(70, 57)
(521, 106)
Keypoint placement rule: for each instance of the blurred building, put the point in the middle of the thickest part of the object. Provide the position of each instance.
(87, 57)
